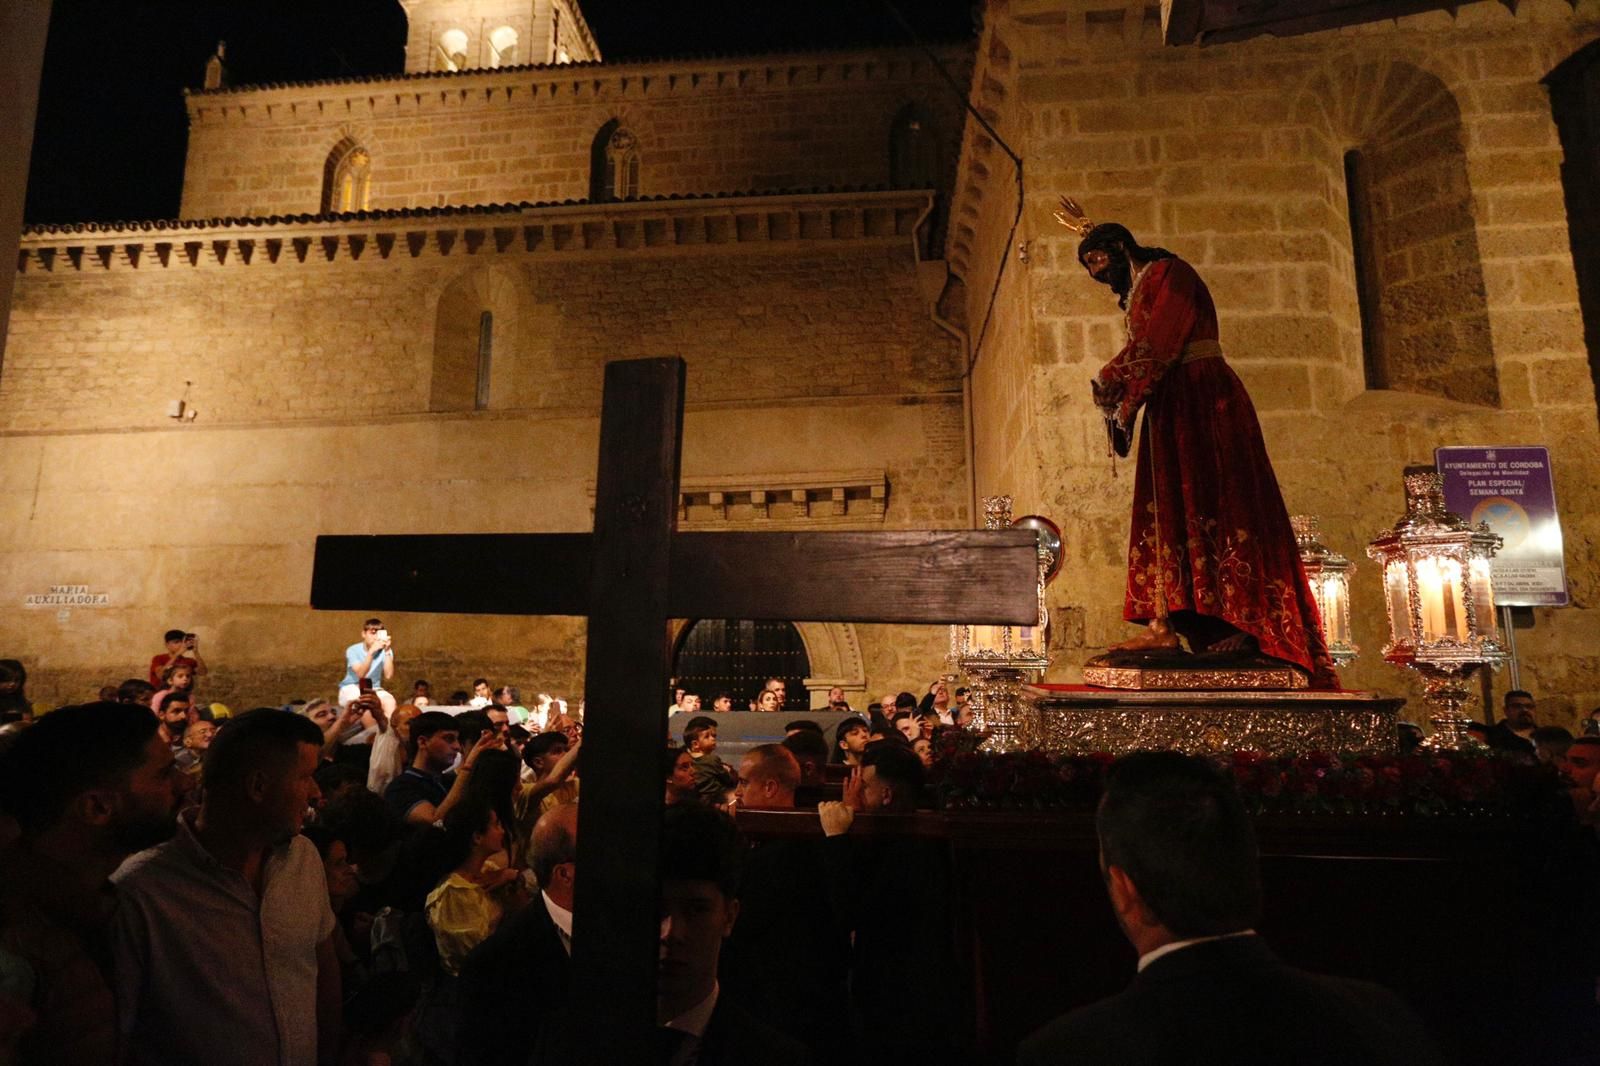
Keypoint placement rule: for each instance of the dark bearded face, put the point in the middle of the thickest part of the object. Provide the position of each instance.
(1109, 266)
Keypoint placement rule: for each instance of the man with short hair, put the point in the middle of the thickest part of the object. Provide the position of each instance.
(701, 853)
(779, 686)
(222, 940)
(850, 738)
(1513, 734)
(723, 703)
(768, 776)
(836, 700)
(531, 950)
(1581, 766)
(787, 913)
(1550, 743)
(87, 786)
(1178, 854)
(499, 717)
(172, 710)
(691, 703)
(426, 791)
(481, 694)
(369, 659)
(810, 750)
(136, 690)
(892, 889)
(183, 649)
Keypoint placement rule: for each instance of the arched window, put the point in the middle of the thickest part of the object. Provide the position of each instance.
(346, 178)
(913, 150)
(613, 164)
(503, 47)
(1415, 260)
(727, 655)
(452, 54)
(485, 360)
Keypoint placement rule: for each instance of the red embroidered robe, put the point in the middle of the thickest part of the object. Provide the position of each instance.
(1210, 531)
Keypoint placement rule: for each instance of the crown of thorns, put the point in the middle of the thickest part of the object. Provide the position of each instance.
(1072, 217)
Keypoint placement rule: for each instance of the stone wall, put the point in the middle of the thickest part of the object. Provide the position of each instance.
(109, 348)
(477, 137)
(1232, 156)
(312, 383)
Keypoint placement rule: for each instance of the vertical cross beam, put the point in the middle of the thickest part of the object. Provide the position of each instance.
(625, 727)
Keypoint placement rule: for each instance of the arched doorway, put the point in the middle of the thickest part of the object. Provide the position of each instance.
(737, 656)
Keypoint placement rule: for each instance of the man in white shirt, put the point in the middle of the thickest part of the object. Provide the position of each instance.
(222, 940)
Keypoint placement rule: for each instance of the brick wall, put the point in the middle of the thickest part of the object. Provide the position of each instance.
(1232, 157)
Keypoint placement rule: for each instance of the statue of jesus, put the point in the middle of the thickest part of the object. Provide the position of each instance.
(1211, 556)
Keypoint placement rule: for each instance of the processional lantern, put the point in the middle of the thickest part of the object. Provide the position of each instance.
(1328, 573)
(1440, 598)
(998, 659)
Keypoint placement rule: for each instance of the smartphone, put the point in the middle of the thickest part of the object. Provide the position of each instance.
(365, 684)
(383, 634)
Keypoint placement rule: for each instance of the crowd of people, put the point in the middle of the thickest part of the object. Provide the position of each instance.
(369, 881)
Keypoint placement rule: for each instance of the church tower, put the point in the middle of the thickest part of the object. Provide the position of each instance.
(446, 35)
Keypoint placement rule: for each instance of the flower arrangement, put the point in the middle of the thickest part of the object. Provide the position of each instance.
(1417, 784)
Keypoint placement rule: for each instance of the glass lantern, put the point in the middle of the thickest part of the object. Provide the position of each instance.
(1328, 574)
(1440, 599)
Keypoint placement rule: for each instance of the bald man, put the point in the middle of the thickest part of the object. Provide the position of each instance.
(531, 951)
(768, 776)
(787, 956)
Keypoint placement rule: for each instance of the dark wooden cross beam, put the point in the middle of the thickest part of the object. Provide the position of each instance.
(631, 575)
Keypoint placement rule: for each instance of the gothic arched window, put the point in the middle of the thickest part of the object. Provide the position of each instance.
(613, 164)
(346, 178)
(913, 150)
(452, 50)
(503, 47)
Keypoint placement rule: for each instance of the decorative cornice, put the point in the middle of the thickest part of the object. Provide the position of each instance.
(567, 82)
(540, 229)
(805, 499)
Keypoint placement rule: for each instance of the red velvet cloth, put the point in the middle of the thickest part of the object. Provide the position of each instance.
(1210, 530)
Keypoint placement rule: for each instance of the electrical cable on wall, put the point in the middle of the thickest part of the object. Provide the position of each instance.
(1016, 160)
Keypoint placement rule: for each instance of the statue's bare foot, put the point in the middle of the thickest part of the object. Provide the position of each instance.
(1241, 643)
(1158, 636)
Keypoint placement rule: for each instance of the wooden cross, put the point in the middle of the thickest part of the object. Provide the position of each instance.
(631, 575)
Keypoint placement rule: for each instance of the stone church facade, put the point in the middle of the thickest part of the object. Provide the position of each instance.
(390, 301)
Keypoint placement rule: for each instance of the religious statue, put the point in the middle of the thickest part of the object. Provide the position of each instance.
(1211, 555)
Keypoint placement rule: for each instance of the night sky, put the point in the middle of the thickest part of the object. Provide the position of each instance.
(111, 130)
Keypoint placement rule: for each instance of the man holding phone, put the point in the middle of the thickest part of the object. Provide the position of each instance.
(183, 649)
(368, 664)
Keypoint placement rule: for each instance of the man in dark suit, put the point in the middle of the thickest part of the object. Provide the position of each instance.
(789, 953)
(528, 957)
(1178, 853)
(701, 854)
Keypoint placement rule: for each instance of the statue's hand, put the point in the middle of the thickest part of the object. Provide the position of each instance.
(1106, 394)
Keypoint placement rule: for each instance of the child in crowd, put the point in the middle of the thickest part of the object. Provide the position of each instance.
(714, 779)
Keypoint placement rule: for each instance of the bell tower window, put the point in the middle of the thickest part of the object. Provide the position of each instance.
(347, 179)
